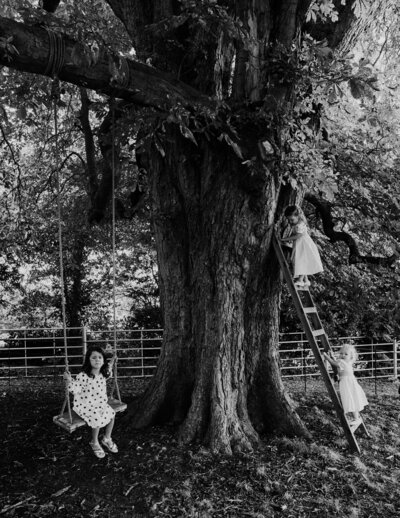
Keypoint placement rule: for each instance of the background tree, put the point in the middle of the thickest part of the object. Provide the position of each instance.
(352, 179)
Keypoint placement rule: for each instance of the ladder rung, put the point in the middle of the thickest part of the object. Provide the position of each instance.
(312, 309)
(318, 332)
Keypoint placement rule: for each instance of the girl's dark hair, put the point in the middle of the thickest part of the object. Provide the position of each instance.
(87, 368)
(291, 210)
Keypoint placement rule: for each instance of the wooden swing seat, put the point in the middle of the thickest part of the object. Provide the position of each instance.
(117, 405)
(64, 421)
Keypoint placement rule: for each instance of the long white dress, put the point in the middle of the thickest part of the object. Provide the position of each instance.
(90, 399)
(351, 394)
(305, 255)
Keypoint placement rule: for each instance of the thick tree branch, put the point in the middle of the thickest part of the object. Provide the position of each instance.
(290, 11)
(138, 83)
(324, 209)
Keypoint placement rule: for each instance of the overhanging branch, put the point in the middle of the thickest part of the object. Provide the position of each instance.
(324, 209)
(141, 84)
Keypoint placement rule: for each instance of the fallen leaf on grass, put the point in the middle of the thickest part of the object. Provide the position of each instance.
(14, 506)
(130, 489)
(60, 492)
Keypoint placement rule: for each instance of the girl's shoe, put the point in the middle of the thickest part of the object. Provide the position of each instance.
(97, 450)
(355, 423)
(110, 445)
(299, 284)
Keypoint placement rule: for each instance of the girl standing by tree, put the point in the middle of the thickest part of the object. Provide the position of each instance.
(305, 256)
(351, 394)
(90, 398)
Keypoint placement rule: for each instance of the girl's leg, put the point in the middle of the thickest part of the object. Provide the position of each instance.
(299, 280)
(95, 435)
(95, 445)
(107, 441)
(109, 429)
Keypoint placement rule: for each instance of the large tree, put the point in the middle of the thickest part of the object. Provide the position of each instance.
(209, 99)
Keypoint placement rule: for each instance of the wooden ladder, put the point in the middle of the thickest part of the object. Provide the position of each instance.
(314, 331)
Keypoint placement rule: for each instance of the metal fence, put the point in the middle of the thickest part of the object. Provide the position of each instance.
(30, 353)
(376, 359)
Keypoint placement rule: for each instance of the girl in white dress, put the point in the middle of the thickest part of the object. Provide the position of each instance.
(90, 398)
(351, 394)
(305, 256)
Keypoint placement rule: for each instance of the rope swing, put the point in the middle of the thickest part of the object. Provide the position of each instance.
(69, 420)
(115, 403)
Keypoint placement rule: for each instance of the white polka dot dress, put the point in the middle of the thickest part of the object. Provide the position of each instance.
(90, 399)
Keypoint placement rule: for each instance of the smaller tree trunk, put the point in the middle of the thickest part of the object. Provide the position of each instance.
(74, 275)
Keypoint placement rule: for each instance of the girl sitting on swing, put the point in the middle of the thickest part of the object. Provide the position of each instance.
(90, 398)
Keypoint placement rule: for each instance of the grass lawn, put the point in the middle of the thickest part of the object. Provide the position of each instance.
(46, 472)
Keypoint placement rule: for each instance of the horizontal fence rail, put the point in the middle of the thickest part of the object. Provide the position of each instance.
(376, 359)
(33, 353)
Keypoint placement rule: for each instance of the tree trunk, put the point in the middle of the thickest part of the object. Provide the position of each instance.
(218, 372)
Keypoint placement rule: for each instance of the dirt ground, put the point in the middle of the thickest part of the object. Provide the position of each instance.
(47, 472)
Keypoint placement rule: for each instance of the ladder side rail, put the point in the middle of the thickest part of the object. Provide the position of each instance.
(337, 404)
(314, 346)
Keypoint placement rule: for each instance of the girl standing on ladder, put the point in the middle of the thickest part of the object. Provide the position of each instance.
(351, 394)
(305, 256)
(90, 398)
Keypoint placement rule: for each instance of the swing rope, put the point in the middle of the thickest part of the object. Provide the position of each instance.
(55, 96)
(115, 387)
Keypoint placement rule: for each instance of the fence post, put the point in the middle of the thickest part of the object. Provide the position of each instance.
(141, 351)
(303, 362)
(54, 362)
(374, 365)
(84, 341)
(395, 359)
(25, 358)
